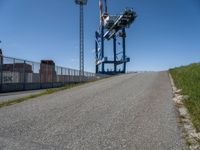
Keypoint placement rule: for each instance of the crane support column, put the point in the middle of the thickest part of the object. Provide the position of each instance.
(102, 47)
(112, 27)
(96, 50)
(124, 48)
(115, 52)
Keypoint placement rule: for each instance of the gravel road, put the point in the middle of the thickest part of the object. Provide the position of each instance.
(127, 112)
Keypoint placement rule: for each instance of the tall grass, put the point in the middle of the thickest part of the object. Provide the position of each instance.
(187, 78)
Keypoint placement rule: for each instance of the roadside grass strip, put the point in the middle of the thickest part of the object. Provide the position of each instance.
(46, 92)
(187, 78)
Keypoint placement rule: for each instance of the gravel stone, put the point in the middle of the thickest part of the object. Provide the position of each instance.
(126, 112)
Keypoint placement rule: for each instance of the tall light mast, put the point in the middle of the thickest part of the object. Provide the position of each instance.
(81, 3)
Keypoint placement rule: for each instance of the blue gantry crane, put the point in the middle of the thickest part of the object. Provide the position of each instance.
(112, 28)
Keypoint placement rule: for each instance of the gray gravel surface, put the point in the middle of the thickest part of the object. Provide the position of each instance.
(127, 112)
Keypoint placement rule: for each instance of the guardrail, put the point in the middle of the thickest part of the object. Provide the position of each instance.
(18, 74)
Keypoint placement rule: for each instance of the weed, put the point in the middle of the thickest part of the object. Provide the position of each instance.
(187, 78)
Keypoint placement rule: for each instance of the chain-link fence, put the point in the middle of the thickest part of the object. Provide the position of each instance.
(17, 74)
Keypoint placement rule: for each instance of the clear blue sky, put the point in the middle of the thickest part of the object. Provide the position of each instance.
(165, 34)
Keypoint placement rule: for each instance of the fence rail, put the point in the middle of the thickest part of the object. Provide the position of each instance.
(17, 74)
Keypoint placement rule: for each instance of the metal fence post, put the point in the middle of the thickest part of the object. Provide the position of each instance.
(62, 79)
(33, 68)
(1, 72)
(13, 73)
(65, 78)
(52, 74)
(24, 75)
(40, 74)
(69, 73)
(74, 76)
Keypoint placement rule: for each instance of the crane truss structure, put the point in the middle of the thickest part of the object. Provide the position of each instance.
(112, 28)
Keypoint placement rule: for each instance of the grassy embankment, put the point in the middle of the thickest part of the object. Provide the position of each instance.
(187, 78)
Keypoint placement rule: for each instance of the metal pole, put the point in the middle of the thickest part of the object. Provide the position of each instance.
(114, 51)
(40, 74)
(65, 77)
(24, 75)
(13, 71)
(81, 40)
(74, 76)
(102, 46)
(124, 49)
(1, 70)
(96, 51)
(51, 69)
(33, 68)
(62, 79)
(69, 79)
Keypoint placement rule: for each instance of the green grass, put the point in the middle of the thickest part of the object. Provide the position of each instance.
(187, 78)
